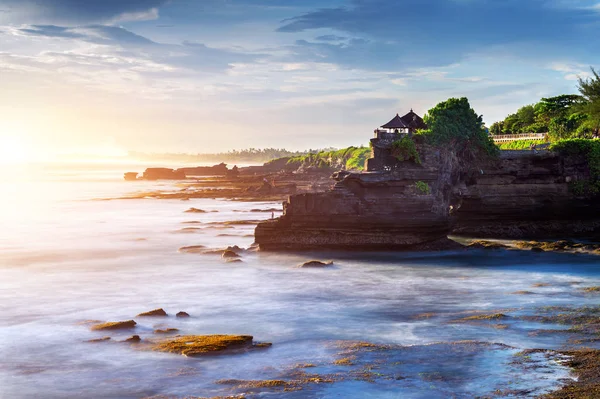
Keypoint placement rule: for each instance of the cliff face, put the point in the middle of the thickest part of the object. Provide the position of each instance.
(526, 195)
(522, 195)
(377, 210)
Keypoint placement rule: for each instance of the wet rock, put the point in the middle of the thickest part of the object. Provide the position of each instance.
(229, 254)
(133, 339)
(316, 264)
(166, 331)
(153, 313)
(199, 345)
(163, 174)
(482, 244)
(103, 339)
(193, 249)
(234, 260)
(195, 210)
(130, 176)
(182, 314)
(115, 325)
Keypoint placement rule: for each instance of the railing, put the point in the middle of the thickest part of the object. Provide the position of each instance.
(505, 138)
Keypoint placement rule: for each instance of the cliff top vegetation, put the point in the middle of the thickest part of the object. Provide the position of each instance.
(453, 124)
(562, 117)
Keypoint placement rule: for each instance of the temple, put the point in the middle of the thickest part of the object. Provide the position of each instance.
(396, 129)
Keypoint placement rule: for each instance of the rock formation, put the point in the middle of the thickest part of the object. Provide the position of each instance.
(405, 205)
(526, 195)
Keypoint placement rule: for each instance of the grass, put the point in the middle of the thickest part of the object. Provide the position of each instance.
(520, 144)
(351, 158)
(197, 345)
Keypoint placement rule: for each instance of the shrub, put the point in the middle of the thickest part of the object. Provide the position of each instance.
(455, 124)
(590, 149)
(405, 150)
(423, 187)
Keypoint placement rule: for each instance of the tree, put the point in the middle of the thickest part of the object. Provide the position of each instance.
(590, 91)
(454, 124)
(496, 128)
(525, 118)
(559, 106)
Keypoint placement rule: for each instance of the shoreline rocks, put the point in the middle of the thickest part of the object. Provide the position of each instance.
(154, 313)
(114, 325)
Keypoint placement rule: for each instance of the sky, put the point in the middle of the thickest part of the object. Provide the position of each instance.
(102, 77)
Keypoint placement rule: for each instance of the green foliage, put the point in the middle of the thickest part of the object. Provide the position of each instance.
(590, 91)
(454, 123)
(590, 149)
(405, 150)
(348, 158)
(423, 187)
(562, 117)
(519, 144)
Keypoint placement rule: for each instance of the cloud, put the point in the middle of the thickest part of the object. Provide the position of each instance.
(435, 32)
(330, 38)
(99, 34)
(81, 11)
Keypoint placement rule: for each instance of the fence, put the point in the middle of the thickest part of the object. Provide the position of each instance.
(505, 138)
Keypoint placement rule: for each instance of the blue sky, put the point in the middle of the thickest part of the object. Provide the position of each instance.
(211, 75)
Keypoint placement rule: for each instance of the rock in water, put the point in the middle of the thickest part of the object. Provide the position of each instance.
(228, 254)
(130, 176)
(154, 313)
(198, 345)
(103, 339)
(133, 339)
(194, 249)
(182, 314)
(316, 263)
(195, 210)
(166, 330)
(114, 325)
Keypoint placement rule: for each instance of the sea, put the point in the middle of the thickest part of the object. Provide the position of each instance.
(74, 251)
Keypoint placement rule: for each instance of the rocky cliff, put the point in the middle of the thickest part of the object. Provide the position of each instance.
(521, 195)
(526, 195)
(407, 207)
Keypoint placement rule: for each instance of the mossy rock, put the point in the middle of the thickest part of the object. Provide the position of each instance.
(485, 317)
(166, 330)
(199, 345)
(115, 325)
(154, 313)
(591, 290)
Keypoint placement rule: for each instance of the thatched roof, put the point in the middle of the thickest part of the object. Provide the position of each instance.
(396, 123)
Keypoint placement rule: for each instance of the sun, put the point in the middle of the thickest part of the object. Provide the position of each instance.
(12, 150)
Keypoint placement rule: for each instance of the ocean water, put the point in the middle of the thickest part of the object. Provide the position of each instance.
(68, 255)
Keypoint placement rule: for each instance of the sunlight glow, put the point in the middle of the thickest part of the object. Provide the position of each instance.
(12, 150)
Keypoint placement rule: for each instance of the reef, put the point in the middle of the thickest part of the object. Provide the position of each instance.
(198, 345)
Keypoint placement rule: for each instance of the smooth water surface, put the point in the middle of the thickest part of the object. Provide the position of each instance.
(67, 257)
